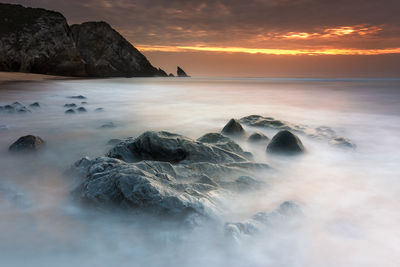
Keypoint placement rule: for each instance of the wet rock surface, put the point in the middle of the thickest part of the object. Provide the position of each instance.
(285, 143)
(321, 132)
(233, 128)
(27, 143)
(163, 172)
(257, 137)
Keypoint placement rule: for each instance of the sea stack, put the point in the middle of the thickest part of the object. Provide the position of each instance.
(181, 73)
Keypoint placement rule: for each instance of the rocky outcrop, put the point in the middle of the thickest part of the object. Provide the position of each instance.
(233, 128)
(18, 108)
(257, 137)
(109, 54)
(285, 142)
(38, 41)
(321, 132)
(165, 173)
(27, 143)
(180, 72)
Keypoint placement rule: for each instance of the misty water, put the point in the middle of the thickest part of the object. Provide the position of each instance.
(349, 198)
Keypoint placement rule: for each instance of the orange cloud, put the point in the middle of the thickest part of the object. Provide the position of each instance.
(267, 51)
(361, 30)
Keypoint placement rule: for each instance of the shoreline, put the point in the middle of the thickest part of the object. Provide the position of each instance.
(13, 77)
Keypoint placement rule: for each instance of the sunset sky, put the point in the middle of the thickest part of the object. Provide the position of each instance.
(295, 38)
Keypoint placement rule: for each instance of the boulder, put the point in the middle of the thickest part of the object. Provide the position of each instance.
(285, 142)
(27, 143)
(70, 111)
(34, 105)
(81, 109)
(233, 128)
(257, 137)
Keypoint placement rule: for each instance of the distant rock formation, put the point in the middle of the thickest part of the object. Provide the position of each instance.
(109, 54)
(181, 73)
(36, 40)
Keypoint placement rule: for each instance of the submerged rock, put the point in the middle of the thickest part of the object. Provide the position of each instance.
(285, 142)
(84, 103)
(108, 125)
(321, 132)
(233, 128)
(78, 97)
(81, 109)
(15, 107)
(99, 110)
(72, 105)
(257, 137)
(70, 111)
(35, 105)
(27, 143)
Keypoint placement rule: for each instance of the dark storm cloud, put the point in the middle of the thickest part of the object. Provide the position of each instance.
(248, 23)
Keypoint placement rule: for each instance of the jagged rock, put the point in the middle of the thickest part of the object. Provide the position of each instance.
(257, 137)
(173, 148)
(70, 111)
(38, 41)
(34, 105)
(285, 142)
(81, 109)
(180, 72)
(72, 105)
(108, 53)
(233, 128)
(27, 143)
(224, 142)
(322, 132)
(114, 141)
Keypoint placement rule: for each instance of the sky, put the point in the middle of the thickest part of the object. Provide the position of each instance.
(253, 38)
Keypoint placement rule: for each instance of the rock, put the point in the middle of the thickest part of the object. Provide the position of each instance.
(180, 72)
(114, 141)
(17, 105)
(70, 111)
(27, 143)
(38, 41)
(171, 75)
(84, 103)
(321, 132)
(233, 128)
(23, 110)
(257, 137)
(72, 105)
(34, 105)
(108, 54)
(108, 125)
(99, 110)
(173, 148)
(81, 109)
(78, 97)
(285, 142)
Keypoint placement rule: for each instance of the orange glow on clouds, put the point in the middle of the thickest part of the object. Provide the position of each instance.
(361, 30)
(267, 51)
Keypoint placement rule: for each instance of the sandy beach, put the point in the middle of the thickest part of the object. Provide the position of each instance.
(6, 77)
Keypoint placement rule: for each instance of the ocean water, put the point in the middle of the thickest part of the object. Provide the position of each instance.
(350, 198)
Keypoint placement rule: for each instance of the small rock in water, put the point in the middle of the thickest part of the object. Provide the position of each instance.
(27, 143)
(257, 137)
(233, 127)
(285, 142)
(70, 111)
(81, 109)
(84, 103)
(23, 110)
(78, 97)
(72, 105)
(108, 125)
(35, 105)
(99, 110)
(17, 105)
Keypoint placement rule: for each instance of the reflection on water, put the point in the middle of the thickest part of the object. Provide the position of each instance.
(350, 199)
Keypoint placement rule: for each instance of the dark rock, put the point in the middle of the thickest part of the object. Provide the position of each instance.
(8, 108)
(38, 41)
(180, 72)
(17, 105)
(257, 137)
(81, 109)
(108, 54)
(285, 142)
(34, 105)
(233, 128)
(27, 143)
(72, 105)
(114, 141)
(78, 97)
(99, 110)
(171, 75)
(23, 110)
(70, 111)
(84, 103)
(108, 125)
(321, 132)
(173, 148)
